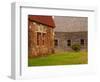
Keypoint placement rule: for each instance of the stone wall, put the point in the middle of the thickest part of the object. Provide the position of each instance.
(46, 44)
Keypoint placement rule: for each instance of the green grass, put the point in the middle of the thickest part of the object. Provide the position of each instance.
(64, 58)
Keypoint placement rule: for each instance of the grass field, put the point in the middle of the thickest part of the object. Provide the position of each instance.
(64, 58)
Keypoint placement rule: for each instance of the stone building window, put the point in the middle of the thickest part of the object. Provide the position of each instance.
(56, 42)
(82, 41)
(38, 38)
(43, 38)
(68, 42)
(41, 34)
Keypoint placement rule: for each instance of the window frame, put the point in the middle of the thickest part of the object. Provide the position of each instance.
(82, 42)
(57, 42)
(69, 44)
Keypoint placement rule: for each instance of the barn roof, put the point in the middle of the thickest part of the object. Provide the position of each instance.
(70, 23)
(46, 20)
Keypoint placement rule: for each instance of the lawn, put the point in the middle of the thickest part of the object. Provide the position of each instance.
(64, 58)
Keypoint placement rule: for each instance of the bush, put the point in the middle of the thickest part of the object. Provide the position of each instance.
(76, 47)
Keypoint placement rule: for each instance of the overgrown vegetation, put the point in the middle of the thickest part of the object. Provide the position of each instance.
(76, 47)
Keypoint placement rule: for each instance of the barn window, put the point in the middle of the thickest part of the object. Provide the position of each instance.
(56, 42)
(68, 42)
(82, 41)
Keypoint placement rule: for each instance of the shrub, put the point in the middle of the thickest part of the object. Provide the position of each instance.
(76, 47)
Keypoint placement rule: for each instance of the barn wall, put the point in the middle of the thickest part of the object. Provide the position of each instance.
(75, 37)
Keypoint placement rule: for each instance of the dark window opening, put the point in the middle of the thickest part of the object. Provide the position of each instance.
(82, 41)
(38, 38)
(43, 38)
(56, 42)
(68, 42)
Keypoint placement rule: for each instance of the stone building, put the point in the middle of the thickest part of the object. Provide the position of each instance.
(40, 35)
(69, 31)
